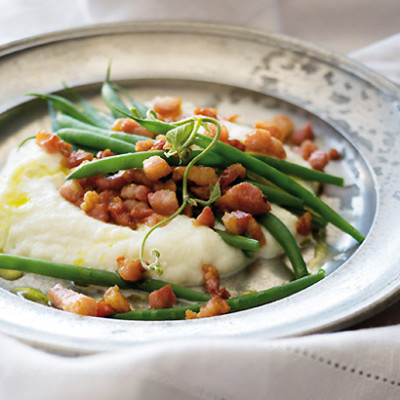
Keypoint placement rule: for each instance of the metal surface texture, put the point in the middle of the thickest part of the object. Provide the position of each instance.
(255, 75)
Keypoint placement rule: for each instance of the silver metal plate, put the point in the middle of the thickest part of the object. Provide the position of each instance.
(255, 75)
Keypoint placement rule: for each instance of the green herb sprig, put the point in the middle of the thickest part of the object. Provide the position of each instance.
(182, 138)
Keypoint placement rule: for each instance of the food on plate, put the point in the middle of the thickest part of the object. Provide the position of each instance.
(151, 192)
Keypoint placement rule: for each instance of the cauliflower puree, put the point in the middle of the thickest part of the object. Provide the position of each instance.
(36, 221)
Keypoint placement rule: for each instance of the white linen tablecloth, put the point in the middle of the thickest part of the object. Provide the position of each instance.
(360, 364)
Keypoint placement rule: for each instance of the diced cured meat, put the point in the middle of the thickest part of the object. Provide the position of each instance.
(231, 173)
(231, 117)
(138, 209)
(144, 145)
(100, 212)
(198, 174)
(318, 160)
(261, 140)
(113, 182)
(277, 149)
(237, 144)
(128, 125)
(302, 134)
(138, 176)
(212, 281)
(156, 168)
(162, 298)
(239, 222)
(120, 214)
(153, 219)
(124, 125)
(168, 107)
(334, 154)
(201, 192)
(167, 185)
(285, 124)
(255, 231)
(68, 300)
(104, 154)
(134, 191)
(72, 191)
(130, 270)
(163, 202)
(177, 173)
(207, 112)
(90, 200)
(304, 224)
(215, 306)
(236, 222)
(212, 130)
(271, 127)
(306, 149)
(107, 196)
(104, 309)
(76, 158)
(203, 176)
(224, 135)
(206, 217)
(258, 140)
(223, 293)
(245, 197)
(116, 300)
(159, 144)
(51, 143)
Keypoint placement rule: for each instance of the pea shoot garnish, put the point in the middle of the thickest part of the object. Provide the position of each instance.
(182, 138)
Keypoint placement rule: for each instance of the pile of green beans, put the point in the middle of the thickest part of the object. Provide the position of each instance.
(308, 174)
(284, 182)
(238, 303)
(283, 236)
(91, 276)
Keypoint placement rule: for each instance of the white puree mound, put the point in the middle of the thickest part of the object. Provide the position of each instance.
(36, 221)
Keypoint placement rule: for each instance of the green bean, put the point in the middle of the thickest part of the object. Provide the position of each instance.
(284, 237)
(140, 107)
(66, 121)
(64, 105)
(135, 160)
(91, 276)
(238, 303)
(240, 242)
(111, 98)
(112, 164)
(209, 160)
(99, 119)
(299, 171)
(278, 196)
(10, 275)
(128, 137)
(153, 125)
(289, 205)
(95, 140)
(52, 112)
(284, 182)
(31, 294)
(84, 148)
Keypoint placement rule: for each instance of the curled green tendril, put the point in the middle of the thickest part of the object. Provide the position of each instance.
(201, 120)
